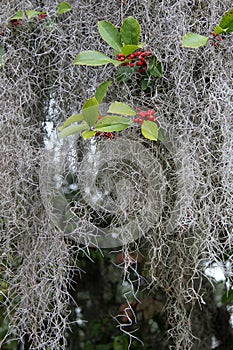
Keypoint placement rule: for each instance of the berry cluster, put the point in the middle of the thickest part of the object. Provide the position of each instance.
(108, 135)
(135, 60)
(216, 39)
(145, 115)
(18, 22)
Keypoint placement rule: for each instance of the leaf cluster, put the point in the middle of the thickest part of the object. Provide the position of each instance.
(62, 7)
(194, 41)
(89, 122)
(124, 41)
(18, 18)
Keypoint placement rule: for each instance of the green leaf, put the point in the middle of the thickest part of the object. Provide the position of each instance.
(124, 74)
(94, 58)
(63, 7)
(2, 56)
(194, 41)
(161, 135)
(72, 119)
(111, 128)
(32, 13)
(72, 129)
(128, 49)
(90, 102)
(121, 108)
(155, 68)
(219, 30)
(50, 25)
(18, 15)
(90, 115)
(87, 134)
(120, 343)
(113, 119)
(227, 298)
(101, 90)
(90, 111)
(149, 130)
(226, 21)
(110, 35)
(130, 31)
(112, 123)
(145, 83)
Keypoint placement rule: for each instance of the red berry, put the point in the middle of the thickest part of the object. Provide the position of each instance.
(131, 65)
(151, 118)
(136, 120)
(120, 56)
(131, 56)
(124, 64)
(109, 135)
(143, 54)
(140, 121)
(148, 53)
(139, 63)
(150, 112)
(42, 16)
(142, 114)
(142, 59)
(139, 53)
